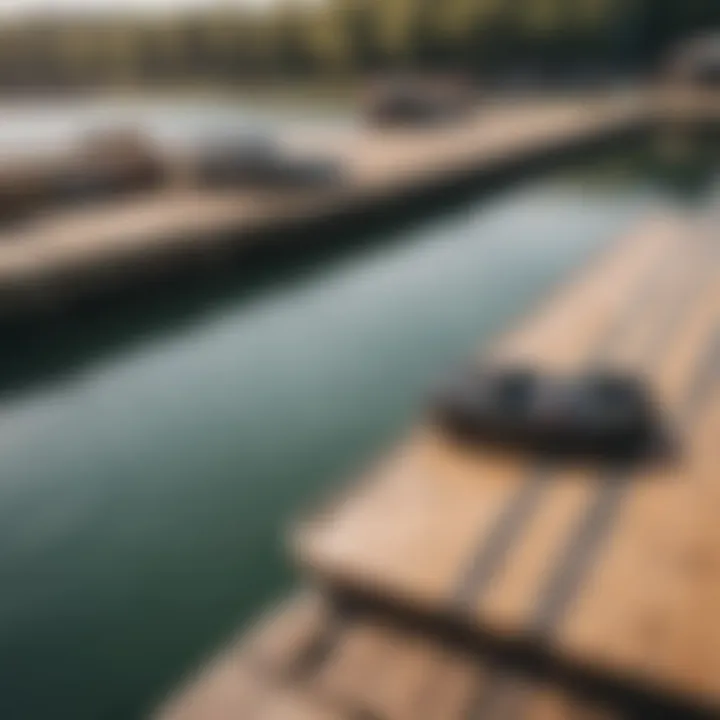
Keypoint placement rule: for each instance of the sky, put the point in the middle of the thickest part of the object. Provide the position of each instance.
(22, 7)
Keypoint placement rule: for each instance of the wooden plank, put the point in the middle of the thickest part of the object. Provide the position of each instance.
(509, 604)
(548, 702)
(511, 597)
(284, 636)
(455, 685)
(236, 683)
(398, 530)
(383, 672)
(396, 674)
(635, 613)
(234, 693)
(645, 337)
(290, 704)
(692, 634)
(379, 670)
(351, 670)
(225, 691)
(581, 316)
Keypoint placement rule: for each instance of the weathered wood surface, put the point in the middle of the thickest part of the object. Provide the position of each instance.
(70, 251)
(367, 669)
(247, 679)
(685, 103)
(612, 569)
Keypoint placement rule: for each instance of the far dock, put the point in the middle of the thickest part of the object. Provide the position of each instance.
(68, 255)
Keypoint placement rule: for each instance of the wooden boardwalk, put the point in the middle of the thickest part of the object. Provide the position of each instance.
(67, 254)
(305, 662)
(612, 569)
(453, 584)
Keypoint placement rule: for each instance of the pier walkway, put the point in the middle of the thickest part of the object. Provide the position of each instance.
(68, 254)
(452, 583)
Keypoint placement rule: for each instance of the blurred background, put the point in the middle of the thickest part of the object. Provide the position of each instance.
(153, 448)
(73, 45)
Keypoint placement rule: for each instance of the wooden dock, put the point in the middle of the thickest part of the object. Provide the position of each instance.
(451, 583)
(306, 662)
(56, 259)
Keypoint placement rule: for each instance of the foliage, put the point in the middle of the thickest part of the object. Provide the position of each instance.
(340, 37)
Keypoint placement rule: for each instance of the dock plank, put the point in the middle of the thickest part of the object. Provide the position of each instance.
(379, 671)
(224, 691)
(290, 704)
(635, 612)
(510, 602)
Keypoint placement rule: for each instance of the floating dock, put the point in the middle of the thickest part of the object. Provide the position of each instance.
(67, 255)
(451, 583)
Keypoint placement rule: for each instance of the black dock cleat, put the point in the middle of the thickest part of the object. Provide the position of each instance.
(603, 414)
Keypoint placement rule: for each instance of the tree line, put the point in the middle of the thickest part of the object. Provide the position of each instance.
(291, 39)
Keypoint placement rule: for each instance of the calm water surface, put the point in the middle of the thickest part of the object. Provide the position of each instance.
(148, 467)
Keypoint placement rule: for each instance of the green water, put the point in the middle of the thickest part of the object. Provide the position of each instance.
(151, 457)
